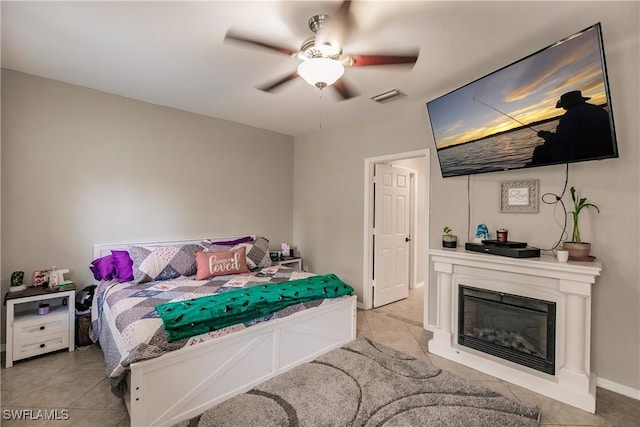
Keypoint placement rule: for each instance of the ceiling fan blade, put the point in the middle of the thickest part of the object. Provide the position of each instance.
(367, 60)
(334, 30)
(341, 87)
(344, 21)
(237, 38)
(271, 86)
(343, 12)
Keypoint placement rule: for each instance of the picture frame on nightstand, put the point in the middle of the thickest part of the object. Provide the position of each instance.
(41, 277)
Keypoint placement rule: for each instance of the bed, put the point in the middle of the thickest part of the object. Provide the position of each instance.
(164, 384)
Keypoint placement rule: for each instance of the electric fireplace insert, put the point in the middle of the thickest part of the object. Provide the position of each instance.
(512, 327)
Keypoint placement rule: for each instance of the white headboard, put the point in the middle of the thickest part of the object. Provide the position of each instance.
(103, 249)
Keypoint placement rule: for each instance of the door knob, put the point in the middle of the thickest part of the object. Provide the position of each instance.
(407, 239)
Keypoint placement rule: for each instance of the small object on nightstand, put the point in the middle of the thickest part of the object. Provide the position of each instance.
(43, 308)
(66, 284)
(17, 281)
(17, 278)
(56, 278)
(41, 278)
(53, 278)
(286, 250)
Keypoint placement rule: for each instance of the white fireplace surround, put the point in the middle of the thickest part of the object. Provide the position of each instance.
(566, 284)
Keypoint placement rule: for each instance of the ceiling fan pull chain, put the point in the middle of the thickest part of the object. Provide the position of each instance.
(320, 109)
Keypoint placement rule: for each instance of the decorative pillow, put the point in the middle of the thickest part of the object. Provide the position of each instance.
(257, 250)
(228, 242)
(103, 268)
(123, 265)
(258, 253)
(224, 245)
(211, 264)
(163, 262)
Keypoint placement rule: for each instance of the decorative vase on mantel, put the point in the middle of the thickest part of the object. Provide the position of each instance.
(579, 250)
(449, 240)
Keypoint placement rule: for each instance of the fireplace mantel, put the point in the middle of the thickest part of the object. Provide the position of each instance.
(566, 284)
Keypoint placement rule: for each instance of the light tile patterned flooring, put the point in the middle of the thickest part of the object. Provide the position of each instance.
(399, 325)
(76, 380)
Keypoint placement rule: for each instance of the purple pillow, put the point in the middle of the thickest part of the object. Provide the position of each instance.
(234, 242)
(123, 265)
(103, 268)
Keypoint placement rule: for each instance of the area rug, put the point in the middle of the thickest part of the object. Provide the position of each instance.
(367, 384)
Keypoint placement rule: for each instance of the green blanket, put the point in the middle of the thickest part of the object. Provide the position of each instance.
(183, 319)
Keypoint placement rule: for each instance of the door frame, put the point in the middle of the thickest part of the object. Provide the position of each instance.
(367, 267)
(413, 226)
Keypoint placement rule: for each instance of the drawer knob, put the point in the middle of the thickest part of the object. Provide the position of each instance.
(41, 345)
(42, 328)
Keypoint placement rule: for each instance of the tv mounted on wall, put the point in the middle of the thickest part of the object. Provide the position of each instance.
(551, 107)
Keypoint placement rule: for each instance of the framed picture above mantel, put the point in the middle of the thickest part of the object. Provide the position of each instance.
(519, 196)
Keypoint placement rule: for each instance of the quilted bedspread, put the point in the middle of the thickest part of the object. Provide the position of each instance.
(125, 321)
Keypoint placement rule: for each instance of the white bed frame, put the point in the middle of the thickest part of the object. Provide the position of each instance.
(184, 383)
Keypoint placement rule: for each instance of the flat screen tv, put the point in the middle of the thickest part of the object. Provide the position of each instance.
(551, 107)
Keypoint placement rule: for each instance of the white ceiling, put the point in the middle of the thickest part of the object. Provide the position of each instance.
(173, 53)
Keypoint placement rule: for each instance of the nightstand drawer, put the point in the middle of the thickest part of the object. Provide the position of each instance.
(34, 327)
(291, 262)
(52, 342)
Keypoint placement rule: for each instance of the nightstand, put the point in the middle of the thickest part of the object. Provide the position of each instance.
(294, 262)
(31, 334)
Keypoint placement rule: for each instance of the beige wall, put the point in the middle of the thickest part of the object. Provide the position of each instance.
(329, 195)
(81, 167)
(329, 188)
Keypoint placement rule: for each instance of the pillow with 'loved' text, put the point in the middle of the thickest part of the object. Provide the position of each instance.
(209, 264)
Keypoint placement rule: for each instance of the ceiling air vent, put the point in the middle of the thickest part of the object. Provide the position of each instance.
(387, 96)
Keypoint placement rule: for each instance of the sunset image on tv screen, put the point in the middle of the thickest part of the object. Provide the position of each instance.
(551, 107)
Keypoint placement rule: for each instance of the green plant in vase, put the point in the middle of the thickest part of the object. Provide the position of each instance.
(448, 239)
(578, 250)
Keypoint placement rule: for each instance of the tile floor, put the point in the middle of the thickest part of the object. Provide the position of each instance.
(76, 381)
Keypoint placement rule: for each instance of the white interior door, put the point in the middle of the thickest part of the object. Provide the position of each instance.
(391, 234)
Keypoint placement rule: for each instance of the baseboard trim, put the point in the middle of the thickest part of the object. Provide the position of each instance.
(615, 387)
(604, 383)
(417, 285)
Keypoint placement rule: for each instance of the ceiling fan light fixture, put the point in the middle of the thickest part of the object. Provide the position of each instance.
(320, 72)
(328, 49)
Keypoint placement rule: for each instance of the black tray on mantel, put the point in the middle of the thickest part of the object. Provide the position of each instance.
(509, 249)
(507, 244)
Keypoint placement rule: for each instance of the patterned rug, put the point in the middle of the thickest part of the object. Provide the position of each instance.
(367, 384)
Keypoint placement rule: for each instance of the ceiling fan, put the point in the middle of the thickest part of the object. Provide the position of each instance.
(323, 61)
